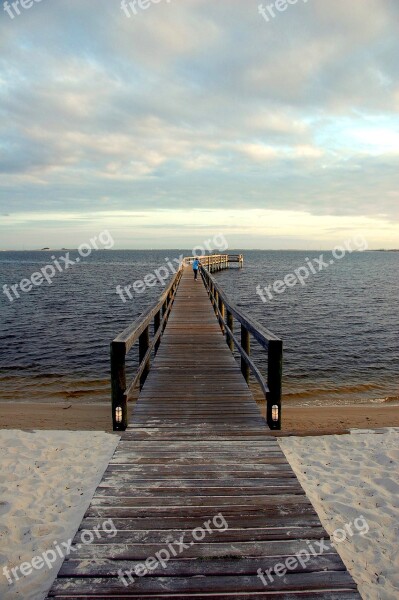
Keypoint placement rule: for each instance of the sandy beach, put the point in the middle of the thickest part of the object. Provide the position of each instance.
(47, 480)
(352, 481)
(297, 420)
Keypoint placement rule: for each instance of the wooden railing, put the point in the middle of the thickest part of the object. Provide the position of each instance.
(226, 312)
(216, 262)
(158, 314)
(120, 346)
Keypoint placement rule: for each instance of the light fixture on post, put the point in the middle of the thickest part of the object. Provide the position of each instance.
(275, 413)
(118, 414)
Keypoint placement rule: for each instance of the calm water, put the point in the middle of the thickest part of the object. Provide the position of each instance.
(340, 330)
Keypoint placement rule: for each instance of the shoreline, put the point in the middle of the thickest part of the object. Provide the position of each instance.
(297, 420)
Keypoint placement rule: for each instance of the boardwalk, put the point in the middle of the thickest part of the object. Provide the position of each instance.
(198, 447)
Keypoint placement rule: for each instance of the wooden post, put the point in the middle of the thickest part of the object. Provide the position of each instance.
(245, 343)
(215, 306)
(230, 325)
(221, 311)
(164, 309)
(169, 300)
(118, 386)
(274, 381)
(144, 342)
(157, 324)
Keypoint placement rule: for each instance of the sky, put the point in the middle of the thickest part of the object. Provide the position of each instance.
(168, 123)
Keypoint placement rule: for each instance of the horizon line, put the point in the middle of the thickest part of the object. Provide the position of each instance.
(217, 252)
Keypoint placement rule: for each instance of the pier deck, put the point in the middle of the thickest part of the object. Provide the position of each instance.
(198, 450)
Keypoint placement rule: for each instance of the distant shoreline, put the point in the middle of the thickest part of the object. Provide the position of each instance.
(178, 249)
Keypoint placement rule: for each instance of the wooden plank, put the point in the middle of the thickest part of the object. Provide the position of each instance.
(201, 471)
(247, 534)
(330, 580)
(203, 445)
(220, 480)
(188, 513)
(139, 551)
(186, 491)
(272, 595)
(191, 567)
(271, 469)
(168, 472)
(192, 459)
(152, 522)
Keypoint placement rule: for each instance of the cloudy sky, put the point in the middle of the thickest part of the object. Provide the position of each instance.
(194, 117)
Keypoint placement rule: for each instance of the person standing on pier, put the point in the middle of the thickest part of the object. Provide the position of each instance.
(196, 264)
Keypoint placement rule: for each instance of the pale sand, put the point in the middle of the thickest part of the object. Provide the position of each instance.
(296, 420)
(47, 480)
(349, 476)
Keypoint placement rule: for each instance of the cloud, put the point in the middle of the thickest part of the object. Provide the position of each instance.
(200, 103)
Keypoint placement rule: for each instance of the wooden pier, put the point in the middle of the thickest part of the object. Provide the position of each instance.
(197, 475)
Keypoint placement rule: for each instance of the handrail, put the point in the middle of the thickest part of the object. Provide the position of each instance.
(120, 346)
(216, 262)
(267, 339)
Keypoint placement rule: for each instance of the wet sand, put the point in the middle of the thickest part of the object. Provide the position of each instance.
(320, 420)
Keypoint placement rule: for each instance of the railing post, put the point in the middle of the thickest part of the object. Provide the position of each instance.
(157, 324)
(221, 311)
(215, 306)
(245, 343)
(164, 309)
(230, 325)
(118, 386)
(168, 300)
(144, 342)
(274, 380)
